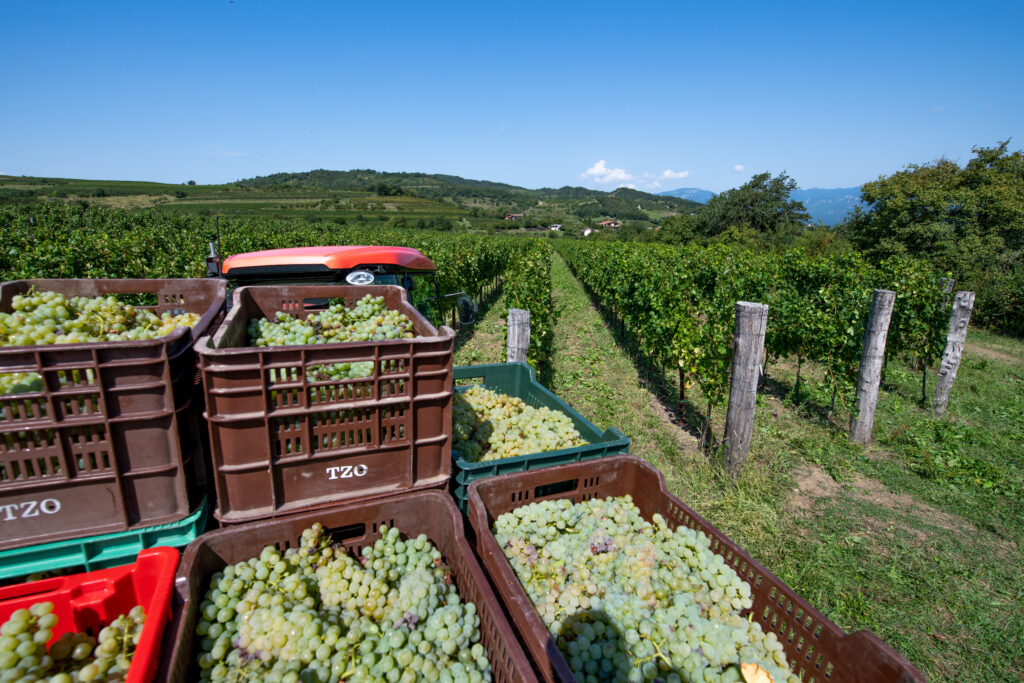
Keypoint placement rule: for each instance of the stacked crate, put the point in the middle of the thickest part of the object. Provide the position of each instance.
(291, 448)
(354, 525)
(110, 448)
(283, 439)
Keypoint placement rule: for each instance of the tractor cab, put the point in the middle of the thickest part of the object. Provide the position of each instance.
(354, 265)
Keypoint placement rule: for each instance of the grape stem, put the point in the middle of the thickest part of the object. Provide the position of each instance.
(657, 653)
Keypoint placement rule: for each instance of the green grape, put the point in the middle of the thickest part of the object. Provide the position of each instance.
(487, 425)
(368, 320)
(72, 656)
(630, 599)
(52, 318)
(319, 613)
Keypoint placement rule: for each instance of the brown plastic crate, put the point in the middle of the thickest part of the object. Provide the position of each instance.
(111, 443)
(817, 649)
(353, 524)
(281, 442)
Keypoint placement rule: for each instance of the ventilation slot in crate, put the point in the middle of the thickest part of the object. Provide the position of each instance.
(341, 429)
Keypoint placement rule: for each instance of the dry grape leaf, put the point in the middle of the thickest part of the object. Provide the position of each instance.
(753, 673)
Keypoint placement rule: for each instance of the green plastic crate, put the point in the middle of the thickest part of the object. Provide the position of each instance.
(101, 552)
(519, 380)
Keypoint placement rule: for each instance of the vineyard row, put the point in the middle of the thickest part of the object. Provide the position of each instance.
(679, 304)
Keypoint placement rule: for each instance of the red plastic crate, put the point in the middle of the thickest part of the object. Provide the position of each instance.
(283, 441)
(110, 443)
(88, 602)
(817, 649)
(353, 525)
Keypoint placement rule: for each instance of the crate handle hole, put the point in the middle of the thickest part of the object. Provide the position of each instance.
(556, 488)
(316, 303)
(349, 531)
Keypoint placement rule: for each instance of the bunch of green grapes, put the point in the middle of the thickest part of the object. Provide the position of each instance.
(630, 600)
(73, 657)
(317, 613)
(336, 371)
(20, 383)
(368, 320)
(51, 318)
(487, 425)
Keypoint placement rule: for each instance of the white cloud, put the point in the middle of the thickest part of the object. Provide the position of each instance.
(653, 185)
(738, 167)
(669, 174)
(602, 174)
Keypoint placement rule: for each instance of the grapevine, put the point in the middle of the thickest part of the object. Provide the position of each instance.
(678, 303)
(97, 242)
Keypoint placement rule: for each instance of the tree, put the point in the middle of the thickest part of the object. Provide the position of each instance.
(679, 229)
(761, 204)
(969, 221)
(191, 182)
(939, 209)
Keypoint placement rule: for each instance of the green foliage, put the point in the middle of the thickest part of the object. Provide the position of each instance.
(675, 230)
(969, 221)
(762, 204)
(823, 241)
(581, 202)
(57, 240)
(527, 284)
(679, 302)
(942, 450)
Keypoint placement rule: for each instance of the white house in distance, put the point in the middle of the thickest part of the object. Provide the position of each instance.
(610, 224)
(556, 226)
(588, 231)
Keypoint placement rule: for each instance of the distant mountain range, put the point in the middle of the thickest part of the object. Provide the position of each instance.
(694, 194)
(828, 205)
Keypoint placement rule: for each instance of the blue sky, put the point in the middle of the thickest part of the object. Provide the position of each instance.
(657, 95)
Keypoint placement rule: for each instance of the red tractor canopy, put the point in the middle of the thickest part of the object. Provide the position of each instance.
(319, 263)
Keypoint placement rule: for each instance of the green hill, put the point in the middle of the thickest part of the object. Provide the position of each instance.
(364, 196)
(437, 185)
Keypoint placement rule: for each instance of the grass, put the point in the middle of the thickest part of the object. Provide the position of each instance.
(484, 341)
(917, 537)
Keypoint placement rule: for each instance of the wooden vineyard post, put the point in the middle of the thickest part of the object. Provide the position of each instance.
(951, 357)
(747, 349)
(872, 357)
(518, 338)
(682, 391)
